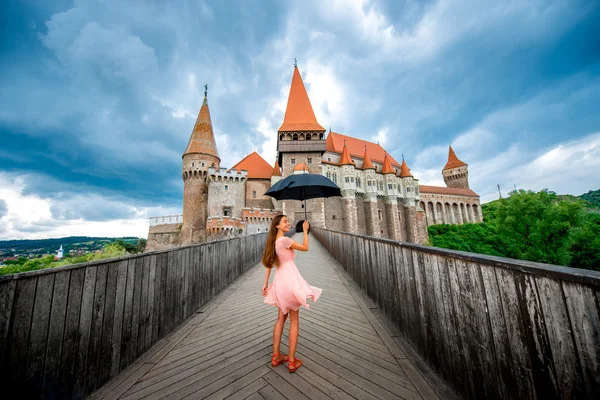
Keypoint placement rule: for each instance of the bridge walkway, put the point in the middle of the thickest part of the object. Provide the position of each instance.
(224, 350)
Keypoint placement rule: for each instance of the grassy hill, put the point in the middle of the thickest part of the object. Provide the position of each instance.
(39, 247)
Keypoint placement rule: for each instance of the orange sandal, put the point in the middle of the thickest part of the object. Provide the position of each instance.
(292, 367)
(275, 360)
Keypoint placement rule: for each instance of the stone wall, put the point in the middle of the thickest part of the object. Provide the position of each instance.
(493, 328)
(446, 209)
(163, 236)
(225, 193)
(334, 213)
(255, 190)
(361, 215)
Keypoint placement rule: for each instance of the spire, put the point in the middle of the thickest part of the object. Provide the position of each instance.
(346, 159)
(202, 139)
(453, 161)
(276, 169)
(387, 166)
(299, 114)
(367, 164)
(404, 171)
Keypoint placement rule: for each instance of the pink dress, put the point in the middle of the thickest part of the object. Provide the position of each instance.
(289, 290)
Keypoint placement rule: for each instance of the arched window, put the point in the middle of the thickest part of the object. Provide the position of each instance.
(295, 137)
(308, 136)
(334, 178)
(328, 175)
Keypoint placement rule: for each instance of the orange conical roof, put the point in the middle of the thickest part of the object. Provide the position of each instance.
(346, 159)
(255, 165)
(299, 114)
(387, 166)
(202, 140)
(367, 164)
(404, 171)
(276, 169)
(453, 161)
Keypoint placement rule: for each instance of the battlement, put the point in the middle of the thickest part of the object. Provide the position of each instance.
(222, 174)
(168, 219)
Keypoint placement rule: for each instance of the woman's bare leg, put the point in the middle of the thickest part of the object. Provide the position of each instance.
(278, 331)
(293, 336)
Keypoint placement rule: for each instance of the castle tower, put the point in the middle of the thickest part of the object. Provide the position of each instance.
(348, 189)
(456, 172)
(200, 155)
(391, 199)
(276, 177)
(416, 230)
(370, 198)
(301, 140)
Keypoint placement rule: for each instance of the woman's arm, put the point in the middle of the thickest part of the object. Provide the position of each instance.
(267, 275)
(302, 247)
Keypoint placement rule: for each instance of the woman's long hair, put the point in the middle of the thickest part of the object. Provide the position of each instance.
(269, 257)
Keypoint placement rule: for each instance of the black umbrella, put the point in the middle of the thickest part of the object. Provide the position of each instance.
(302, 187)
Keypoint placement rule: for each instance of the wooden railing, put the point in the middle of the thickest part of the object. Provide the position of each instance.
(66, 331)
(493, 328)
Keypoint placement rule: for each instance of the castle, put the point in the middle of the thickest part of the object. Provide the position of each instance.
(380, 196)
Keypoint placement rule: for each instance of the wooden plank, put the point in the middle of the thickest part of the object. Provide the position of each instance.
(521, 362)
(118, 318)
(39, 334)
(127, 316)
(500, 334)
(560, 338)
(55, 334)
(108, 320)
(150, 309)
(158, 298)
(448, 349)
(241, 385)
(85, 327)
(162, 322)
(542, 363)
(135, 311)
(585, 323)
(289, 391)
(143, 319)
(7, 295)
(20, 328)
(68, 364)
(248, 391)
(95, 341)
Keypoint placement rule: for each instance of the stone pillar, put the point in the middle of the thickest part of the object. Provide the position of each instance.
(349, 211)
(391, 215)
(371, 215)
(410, 216)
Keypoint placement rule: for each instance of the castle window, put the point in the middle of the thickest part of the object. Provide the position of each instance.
(192, 164)
(347, 179)
(295, 136)
(379, 214)
(351, 179)
(328, 174)
(293, 160)
(227, 211)
(334, 177)
(328, 158)
(203, 164)
(358, 182)
(226, 187)
(254, 194)
(309, 160)
(389, 186)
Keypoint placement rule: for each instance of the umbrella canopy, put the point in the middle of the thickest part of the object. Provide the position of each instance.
(303, 187)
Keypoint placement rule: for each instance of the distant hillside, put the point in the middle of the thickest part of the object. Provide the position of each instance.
(592, 197)
(8, 248)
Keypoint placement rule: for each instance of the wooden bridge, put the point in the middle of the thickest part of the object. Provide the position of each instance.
(395, 321)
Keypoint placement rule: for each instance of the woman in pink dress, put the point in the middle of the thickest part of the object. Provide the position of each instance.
(288, 291)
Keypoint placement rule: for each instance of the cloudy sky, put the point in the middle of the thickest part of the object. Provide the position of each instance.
(99, 97)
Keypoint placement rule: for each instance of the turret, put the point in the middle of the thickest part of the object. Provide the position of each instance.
(409, 185)
(456, 172)
(200, 155)
(389, 178)
(347, 167)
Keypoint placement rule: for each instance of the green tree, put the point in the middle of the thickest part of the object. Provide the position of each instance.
(141, 245)
(536, 226)
(585, 244)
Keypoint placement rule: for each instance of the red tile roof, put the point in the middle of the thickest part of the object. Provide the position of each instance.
(453, 161)
(346, 159)
(256, 166)
(448, 191)
(202, 139)
(367, 164)
(276, 169)
(301, 167)
(387, 167)
(299, 114)
(405, 171)
(356, 147)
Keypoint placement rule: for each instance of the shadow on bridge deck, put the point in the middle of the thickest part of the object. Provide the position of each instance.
(348, 349)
